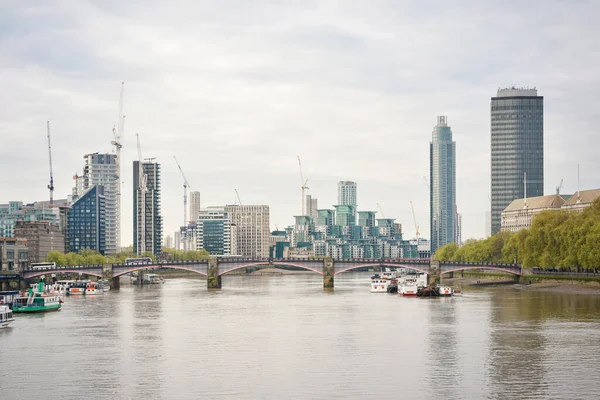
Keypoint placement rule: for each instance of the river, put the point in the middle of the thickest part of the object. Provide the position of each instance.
(285, 337)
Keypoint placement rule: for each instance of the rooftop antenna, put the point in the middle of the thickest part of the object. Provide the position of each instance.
(525, 188)
(51, 185)
(578, 192)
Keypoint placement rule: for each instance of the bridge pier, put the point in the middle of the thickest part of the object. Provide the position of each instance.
(434, 273)
(328, 273)
(213, 280)
(107, 272)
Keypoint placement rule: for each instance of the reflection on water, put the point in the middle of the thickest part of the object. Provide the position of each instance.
(273, 337)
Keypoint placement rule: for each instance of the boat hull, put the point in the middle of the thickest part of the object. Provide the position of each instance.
(36, 309)
(5, 324)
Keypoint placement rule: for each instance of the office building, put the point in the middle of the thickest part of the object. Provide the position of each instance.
(194, 206)
(214, 232)
(177, 240)
(87, 229)
(147, 218)
(103, 170)
(169, 242)
(581, 199)
(253, 234)
(442, 190)
(42, 237)
(520, 212)
(517, 148)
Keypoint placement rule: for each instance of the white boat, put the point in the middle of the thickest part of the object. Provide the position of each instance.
(409, 284)
(6, 316)
(445, 291)
(379, 284)
(92, 288)
(104, 285)
(77, 288)
(152, 279)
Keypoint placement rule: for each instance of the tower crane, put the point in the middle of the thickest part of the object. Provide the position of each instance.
(51, 185)
(380, 210)
(142, 207)
(118, 132)
(238, 197)
(185, 186)
(415, 220)
(560, 186)
(303, 182)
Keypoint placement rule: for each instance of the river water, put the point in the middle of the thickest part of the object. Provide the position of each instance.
(285, 337)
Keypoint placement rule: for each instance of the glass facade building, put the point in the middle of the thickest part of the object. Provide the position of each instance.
(148, 206)
(442, 191)
(87, 219)
(517, 148)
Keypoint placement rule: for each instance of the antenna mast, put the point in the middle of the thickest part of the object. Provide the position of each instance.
(51, 185)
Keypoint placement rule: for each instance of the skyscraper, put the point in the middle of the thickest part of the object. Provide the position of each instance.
(146, 209)
(442, 192)
(213, 232)
(311, 206)
(87, 222)
(347, 193)
(517, 147)
(194, 206)
(103, 169)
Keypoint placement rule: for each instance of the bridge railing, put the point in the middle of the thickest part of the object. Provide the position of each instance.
(82, 267)
(487, 264)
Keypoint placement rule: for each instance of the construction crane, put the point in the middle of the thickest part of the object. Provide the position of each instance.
(415, 220)
(118, 131)
(380, 210)
(560, 186)
(51, 185)
(185, 186)
(303, 183)
(142, 207)
(238, 197)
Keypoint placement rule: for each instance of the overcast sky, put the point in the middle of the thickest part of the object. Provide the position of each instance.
(237, 89)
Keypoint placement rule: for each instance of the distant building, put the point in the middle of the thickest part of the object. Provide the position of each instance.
(442, 157)
(517, 147)
(366, 218)
(38, 211)
(214, 232)
(194, 206)
(103, 170)
(177, 240)
(14, 255)
(345, 215)
(147, 210)
(253, 233)
(311, 206)
(42, 237)
(347, 195)
(520, 212)
(87, 229)
(458, 236)
(169, 242)
(581, 199)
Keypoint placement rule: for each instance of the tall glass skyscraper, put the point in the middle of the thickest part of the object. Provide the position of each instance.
(146, 209)
(442, 192)
(87, 221)
(517, 147)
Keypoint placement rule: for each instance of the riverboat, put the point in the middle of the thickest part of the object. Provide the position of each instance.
(152, 279)
(92, 288)
(104, 285)
(77, 288)
(410, 283)
(7, 297)
(36, 302)
(379, 284)
(6, 316)
(434, 291)
(393, 286)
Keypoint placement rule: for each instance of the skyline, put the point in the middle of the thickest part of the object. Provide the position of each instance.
(354, 91)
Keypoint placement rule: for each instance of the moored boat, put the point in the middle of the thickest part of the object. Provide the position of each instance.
(36, 302)
(409, 284)
(92, 288)
(379, 284)
(77, 288)
(6, 316)
(434, 291)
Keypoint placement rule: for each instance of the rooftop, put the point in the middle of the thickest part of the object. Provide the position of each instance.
(533, 203)
(587, 196)
(517, 92)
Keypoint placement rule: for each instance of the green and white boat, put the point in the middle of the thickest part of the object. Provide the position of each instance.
(36, 301)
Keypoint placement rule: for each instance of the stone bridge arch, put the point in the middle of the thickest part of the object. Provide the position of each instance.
(130, 268)
(35, 274)
(345, 268)
(455, 268)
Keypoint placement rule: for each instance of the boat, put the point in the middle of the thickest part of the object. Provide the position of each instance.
(104, 285)
(152, 279)
(456, 292)
(393, 286)
(6, 316)
(434, 291)
(37, 301)
(379, 284)
(92, 288)
(77, 288)
(410, 283)
(7, 297)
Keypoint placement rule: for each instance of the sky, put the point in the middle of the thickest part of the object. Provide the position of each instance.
(236, 90)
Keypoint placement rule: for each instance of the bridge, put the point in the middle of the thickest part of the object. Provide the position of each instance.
(215, 267)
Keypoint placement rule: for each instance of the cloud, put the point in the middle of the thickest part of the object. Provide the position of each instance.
(236, 90)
